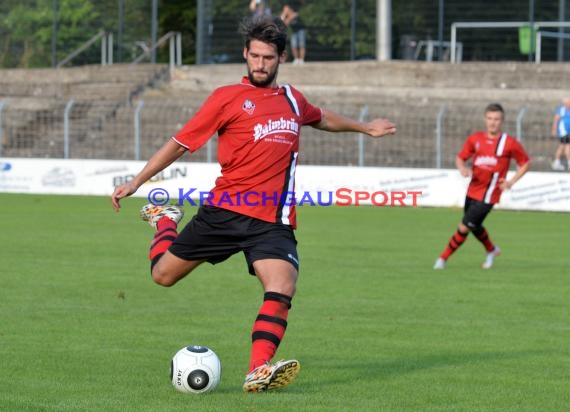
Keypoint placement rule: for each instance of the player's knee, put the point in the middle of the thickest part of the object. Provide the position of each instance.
(463, 228)
(477, 230)
(290, 290)
(288, 286)
(162, 278)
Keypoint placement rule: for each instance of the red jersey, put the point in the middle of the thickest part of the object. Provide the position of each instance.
(491, 161)
(258, 145)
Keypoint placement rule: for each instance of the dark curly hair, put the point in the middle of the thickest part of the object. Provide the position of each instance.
(268, 29)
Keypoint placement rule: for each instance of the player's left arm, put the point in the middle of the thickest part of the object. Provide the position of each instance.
(335, 122)
(523, 162)
(554, 129)
(507, 184)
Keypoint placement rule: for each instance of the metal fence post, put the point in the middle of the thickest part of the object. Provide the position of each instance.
(2, 104)
(68, 107)
(137, 120)
(538, 46)
(179, 49)
(175, 48)
(109, 49)
(439, 136)
(362, 117)
(104, 50)
(520, 117)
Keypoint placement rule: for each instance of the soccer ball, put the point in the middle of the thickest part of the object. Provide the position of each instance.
(195, 369)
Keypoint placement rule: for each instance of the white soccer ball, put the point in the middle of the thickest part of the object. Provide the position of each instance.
(195, 369)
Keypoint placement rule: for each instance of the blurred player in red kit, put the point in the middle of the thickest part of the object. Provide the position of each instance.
(491, 152)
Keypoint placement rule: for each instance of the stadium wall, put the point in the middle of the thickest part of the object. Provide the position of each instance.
(316, 185)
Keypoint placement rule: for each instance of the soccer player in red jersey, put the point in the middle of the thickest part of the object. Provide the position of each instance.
(492, 151)
(258, 123)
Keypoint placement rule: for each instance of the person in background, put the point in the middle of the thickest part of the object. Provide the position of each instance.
(492, 151)
(561, 131)
(259, 7)
(290, 16)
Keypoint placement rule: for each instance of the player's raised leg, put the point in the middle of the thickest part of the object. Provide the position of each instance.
(166, 269)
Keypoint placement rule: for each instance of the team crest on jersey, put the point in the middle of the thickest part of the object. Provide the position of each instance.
(248, 107)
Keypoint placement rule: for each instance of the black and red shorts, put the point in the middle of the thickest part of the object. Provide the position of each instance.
(475, 213)
(214, 234)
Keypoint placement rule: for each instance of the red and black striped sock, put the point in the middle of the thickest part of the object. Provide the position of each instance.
(454, 243)
(269, 328)
(483, 237)
(163, 238)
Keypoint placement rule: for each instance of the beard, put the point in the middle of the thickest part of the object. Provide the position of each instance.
(261, 83)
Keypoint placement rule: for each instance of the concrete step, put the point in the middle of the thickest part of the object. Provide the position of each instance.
(393, 74)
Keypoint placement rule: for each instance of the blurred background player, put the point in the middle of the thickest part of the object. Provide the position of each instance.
(492, 151)
(258, 153)
(561, 130)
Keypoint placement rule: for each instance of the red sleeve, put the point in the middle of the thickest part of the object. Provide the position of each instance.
(204, 124)
(311, 114)
(519, 154)
(468, 148)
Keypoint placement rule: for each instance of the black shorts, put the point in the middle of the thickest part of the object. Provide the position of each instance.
(564, 139)
(215, 234)
(475, 213)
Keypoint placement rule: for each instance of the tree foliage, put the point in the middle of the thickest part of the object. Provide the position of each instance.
(27, 27)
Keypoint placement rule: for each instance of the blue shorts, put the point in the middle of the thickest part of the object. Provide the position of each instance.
(298, 39)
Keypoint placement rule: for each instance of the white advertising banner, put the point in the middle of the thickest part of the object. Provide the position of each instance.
(315, 185)
(97, 177)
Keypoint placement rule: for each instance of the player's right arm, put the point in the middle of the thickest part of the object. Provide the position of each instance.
(464, 155)
(163, 158)
(462, 167)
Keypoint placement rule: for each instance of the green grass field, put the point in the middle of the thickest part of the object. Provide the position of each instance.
(83, 327)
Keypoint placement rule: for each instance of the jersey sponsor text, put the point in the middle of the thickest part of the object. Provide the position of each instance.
(260, 131)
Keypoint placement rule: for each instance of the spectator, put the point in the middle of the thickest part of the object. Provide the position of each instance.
(259, 7)
(290, 16)
(561, 130)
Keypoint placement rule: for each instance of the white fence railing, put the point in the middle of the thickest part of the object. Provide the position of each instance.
(175, 49)
(501, 25)
(106, 49)
(427, 136)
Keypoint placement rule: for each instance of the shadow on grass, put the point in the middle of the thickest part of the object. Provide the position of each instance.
(378, 369)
